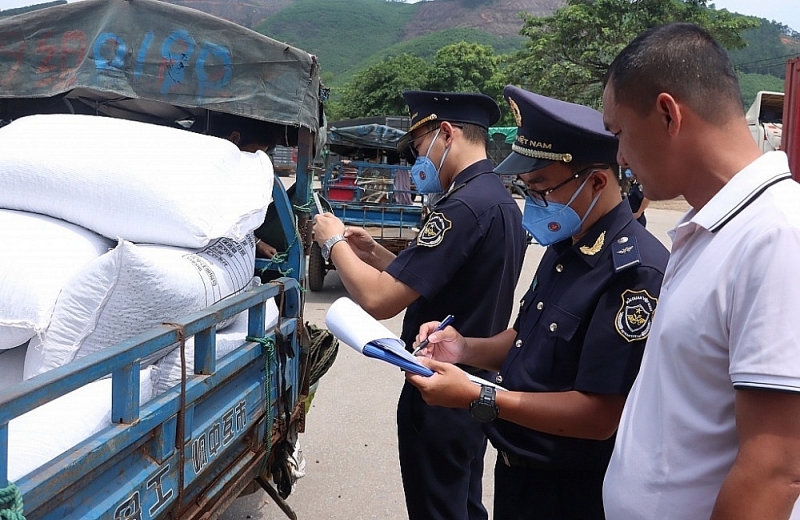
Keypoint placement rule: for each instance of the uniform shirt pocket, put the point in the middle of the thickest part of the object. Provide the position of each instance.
(554, 348)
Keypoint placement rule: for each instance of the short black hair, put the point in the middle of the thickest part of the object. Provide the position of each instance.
(576, 167)
(683, 60)
(473, 133)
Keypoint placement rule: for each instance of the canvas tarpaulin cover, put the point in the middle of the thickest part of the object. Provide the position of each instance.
(144, 59)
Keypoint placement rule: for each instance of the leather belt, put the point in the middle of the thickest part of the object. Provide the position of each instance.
(515, 461)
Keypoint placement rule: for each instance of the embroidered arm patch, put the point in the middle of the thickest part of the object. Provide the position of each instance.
(635, 316)
(432, 234)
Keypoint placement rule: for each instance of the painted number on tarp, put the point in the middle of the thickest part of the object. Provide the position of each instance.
(57, 58)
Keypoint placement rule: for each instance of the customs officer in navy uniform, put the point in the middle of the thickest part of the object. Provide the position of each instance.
(574, 351)
(465, 261)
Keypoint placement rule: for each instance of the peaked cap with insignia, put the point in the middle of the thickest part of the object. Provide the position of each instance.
(549, 130)
(454, 107)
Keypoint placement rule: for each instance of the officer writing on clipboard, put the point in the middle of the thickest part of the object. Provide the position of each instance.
(465, 261)
(574, 351)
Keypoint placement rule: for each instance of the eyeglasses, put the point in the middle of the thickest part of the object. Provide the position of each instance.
(539, 197)
(412, 146)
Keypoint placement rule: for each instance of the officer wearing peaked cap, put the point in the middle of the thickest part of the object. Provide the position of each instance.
(465, 261)
(573, 352)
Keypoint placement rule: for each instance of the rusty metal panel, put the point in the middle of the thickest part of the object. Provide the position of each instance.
(790, 140)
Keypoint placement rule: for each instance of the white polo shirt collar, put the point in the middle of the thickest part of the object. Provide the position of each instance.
(740, 191)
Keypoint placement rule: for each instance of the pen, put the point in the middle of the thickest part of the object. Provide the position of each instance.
(445, 322)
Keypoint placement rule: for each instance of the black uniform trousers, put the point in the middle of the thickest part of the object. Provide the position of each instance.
(434, 480)
(530, 493)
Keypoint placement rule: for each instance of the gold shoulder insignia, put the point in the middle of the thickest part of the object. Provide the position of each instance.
(594, 249)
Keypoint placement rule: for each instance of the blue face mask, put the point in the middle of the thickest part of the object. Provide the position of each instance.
(554, 222)
(425, 174)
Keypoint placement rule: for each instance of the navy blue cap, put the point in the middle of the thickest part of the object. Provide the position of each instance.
(549, 130)
(455, 107)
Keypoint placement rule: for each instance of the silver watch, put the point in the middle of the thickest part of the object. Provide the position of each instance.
(327, 246)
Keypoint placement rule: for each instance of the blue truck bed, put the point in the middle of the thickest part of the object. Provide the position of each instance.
(191, 450)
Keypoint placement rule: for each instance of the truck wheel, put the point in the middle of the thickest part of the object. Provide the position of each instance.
(316, 268)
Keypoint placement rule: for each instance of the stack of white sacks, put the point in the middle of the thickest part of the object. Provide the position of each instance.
(108, 228)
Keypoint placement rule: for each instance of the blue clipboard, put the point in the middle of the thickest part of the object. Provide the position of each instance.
(376, 351)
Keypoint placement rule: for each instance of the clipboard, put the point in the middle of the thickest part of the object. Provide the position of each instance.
(356, 328)
(377, 351)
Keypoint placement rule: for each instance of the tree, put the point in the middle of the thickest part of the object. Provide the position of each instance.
(459, 67)
(463, 67)
(377, 90)
(567, 54)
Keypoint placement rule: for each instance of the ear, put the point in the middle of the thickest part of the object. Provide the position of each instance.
(670, 112)
(600, 180)
(235, 137)
(447, 130)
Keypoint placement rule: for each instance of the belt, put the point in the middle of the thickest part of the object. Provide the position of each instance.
(515, 461)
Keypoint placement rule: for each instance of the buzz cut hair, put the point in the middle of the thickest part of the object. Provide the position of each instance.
(473, 133)
(682, 60)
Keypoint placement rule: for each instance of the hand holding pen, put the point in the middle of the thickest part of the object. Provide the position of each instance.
(424, 343)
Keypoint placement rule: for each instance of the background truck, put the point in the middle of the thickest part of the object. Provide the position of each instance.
(765, 119)
(790, 138)
(367, 183)
(229, 424)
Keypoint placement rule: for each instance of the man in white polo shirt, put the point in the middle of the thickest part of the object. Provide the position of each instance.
(711, 428)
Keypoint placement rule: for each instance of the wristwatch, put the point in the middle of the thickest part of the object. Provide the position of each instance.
(327, 246)
(483, 409)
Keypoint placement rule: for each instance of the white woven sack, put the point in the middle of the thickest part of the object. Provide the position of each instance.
(55, 427)
(136, 181)
(40, 255)
(228, 340)
(134, 288)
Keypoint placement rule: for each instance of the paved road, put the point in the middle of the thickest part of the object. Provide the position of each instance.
(350, 444)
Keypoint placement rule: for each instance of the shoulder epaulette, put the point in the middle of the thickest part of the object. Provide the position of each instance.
(625, 253)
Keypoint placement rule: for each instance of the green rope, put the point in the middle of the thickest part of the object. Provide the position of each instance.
(281, 257)
(269, 348)
(307, 207)
(11, 503)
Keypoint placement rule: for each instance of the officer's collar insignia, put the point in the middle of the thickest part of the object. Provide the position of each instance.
(635, 316)
(432, 234)
(594, 249)
(515, 111)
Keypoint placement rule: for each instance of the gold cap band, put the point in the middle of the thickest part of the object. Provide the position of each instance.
(422, 121)
(536, 154)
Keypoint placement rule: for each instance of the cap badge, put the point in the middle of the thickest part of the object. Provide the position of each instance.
(515, 111)
(596, 247)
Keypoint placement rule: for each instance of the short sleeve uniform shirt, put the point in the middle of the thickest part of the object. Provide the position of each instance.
(582, 326)
(467, 257)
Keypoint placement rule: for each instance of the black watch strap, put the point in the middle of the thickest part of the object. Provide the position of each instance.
(484, 409)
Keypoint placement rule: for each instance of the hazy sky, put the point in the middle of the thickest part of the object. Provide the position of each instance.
(786, 12)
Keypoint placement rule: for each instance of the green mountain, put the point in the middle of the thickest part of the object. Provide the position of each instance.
(347, 35)
(342, 33)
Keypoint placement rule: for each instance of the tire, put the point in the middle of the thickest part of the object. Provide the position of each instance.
(316, 268)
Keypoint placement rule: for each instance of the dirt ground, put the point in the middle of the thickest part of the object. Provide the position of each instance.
(677, 204)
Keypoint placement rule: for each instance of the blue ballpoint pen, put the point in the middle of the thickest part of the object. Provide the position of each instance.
(445, 322)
